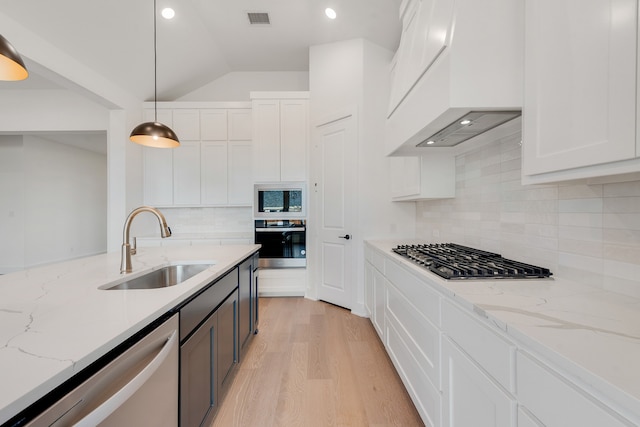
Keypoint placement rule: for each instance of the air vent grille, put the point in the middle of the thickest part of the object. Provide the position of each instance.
(258, 18)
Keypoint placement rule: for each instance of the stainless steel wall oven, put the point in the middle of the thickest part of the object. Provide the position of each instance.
(283, 242)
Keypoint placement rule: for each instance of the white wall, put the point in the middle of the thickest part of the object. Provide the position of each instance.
(586, 232)
(63, 208)
(236, 86)
(49, 110)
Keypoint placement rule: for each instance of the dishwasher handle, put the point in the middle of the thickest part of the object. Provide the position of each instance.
(110, 405)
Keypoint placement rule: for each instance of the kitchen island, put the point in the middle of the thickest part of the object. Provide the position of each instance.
(527, 352)
(55, 320)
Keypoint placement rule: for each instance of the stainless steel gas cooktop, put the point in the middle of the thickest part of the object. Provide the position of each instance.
(452, 261)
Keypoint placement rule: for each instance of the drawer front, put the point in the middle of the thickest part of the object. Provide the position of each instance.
(194, 312)
(557, 402)
(422, 338)
(425, 299)
(471, 397)
(424, 395)
(368, 253)
(377, 259)
(493, 353)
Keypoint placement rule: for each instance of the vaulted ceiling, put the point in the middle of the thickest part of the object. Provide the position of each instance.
(206, 40)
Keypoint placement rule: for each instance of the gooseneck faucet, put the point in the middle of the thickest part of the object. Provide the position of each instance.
(165, 231)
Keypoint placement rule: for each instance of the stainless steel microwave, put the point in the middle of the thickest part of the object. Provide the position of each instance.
(280, 200)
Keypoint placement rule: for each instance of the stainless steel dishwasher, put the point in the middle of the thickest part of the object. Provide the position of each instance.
(138, 388)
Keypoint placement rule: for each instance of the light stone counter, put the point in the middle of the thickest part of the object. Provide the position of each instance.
(592, 334)
(55, 321)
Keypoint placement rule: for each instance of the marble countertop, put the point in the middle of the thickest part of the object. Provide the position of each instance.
(55, 321)
(592, 334)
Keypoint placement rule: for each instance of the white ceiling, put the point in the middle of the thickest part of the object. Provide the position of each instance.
(206, 40)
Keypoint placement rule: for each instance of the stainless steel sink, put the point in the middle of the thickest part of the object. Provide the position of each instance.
(164, 277)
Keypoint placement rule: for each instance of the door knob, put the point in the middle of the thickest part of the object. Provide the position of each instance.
(346, 236)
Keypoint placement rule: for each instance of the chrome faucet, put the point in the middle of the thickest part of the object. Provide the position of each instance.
(127, 251)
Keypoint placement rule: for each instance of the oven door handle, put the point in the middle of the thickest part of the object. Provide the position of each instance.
(279, 230)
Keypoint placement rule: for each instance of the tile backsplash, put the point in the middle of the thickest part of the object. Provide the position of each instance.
(210, 220)
(585, 232)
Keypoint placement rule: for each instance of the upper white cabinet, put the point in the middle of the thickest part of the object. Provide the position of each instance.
(422, 177)
(580, 89)
(212, 165)
(440, 74)
(280, 136)
(157, 165)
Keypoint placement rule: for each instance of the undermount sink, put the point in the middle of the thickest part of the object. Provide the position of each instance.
(164, 277)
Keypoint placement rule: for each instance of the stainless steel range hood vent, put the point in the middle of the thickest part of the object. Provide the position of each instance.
(466, 127)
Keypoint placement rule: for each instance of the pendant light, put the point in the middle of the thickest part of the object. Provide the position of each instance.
(11, 65)
(154, 134)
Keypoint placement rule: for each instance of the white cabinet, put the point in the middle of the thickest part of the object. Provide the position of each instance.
(280, 136)
(478, 373)
(214, 171)
(422, 177)
(406, 313)
(212, 165)
(556, 402)
(461, 369)
(580, 88)
(470, 396)
(525, 419)
(157, 166)
(440, 74)
(186, 124)
(240, 184)
(282, 282)
(186, 173)
(375, 291)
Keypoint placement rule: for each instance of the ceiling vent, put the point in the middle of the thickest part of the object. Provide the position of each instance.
(258, 18)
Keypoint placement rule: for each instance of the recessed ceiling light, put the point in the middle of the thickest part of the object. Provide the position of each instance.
(430, 142)
(465, 122)
(331, 14)
(168, 13)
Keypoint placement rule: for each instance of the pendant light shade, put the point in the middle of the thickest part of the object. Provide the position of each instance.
(154, 134)
(11, 65)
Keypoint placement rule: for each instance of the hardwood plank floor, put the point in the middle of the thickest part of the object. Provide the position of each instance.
(315, 364)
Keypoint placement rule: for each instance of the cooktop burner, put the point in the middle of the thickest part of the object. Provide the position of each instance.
(453, 261)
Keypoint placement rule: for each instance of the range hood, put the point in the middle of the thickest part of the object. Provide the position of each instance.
(468, 126)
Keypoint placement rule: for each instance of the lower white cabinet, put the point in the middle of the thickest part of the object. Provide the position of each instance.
(413, 344)
(525, 419)
(460, 369)
(471, 397)
(556, 402)
(282, 282)
(375, 292)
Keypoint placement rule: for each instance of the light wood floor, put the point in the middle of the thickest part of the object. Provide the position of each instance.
(314, 364)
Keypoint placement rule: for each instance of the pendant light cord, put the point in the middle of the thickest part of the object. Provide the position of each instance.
(155, 65)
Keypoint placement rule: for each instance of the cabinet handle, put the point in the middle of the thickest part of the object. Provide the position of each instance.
(346, 237)
(110, 405)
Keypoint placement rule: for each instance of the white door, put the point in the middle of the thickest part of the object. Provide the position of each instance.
(335, 155)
